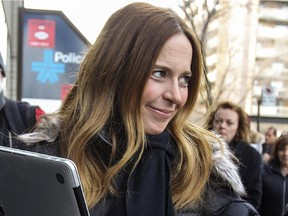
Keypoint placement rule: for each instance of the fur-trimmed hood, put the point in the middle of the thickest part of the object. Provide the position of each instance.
(225, 167)
(224, 184)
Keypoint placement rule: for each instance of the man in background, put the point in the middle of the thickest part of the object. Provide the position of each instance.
(16, 117)
(270, 138)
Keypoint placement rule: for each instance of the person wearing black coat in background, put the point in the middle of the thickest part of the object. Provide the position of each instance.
(268, 145)
(16, 117)
(232, 124)
(275, 180)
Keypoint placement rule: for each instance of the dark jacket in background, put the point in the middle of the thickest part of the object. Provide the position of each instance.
(250, 170)
(267, 148)
(275, 190)
(16, 117)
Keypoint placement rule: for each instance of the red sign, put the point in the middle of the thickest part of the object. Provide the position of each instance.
(65, 88)
(41, 33)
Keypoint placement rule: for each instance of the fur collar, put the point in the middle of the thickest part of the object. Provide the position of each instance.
(225, 167)
(223, 186)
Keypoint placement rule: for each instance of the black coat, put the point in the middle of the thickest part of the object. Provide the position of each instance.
(250, 170)
(148, 190)
(221, 202)
(275, 190)
(16, 117)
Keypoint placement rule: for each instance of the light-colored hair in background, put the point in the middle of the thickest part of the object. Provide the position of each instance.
(256, 137)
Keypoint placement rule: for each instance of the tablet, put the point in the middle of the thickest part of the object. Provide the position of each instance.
(35, 184)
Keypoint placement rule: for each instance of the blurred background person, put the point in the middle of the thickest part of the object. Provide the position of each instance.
(256, 140)
(232, 124)
(270, 138)
(15, 117)
(275, 180)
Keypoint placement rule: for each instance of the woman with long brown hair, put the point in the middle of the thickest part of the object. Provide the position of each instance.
(125, 123)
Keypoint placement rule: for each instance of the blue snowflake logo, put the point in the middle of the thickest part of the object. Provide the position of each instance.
(48, 70)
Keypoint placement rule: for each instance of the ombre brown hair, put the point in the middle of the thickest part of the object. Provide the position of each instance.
(110, 85)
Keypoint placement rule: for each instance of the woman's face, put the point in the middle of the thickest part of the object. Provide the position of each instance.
(226, 123)
(167, 88)
(283, 156)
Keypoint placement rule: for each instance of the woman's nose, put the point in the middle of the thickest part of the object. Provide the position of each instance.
(222, 124)
(173, 93)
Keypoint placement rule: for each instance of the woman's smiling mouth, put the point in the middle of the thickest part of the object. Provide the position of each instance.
(161, 113)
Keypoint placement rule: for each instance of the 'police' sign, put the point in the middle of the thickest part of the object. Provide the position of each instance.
(51, 52)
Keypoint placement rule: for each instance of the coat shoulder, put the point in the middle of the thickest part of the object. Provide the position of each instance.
(237, 207)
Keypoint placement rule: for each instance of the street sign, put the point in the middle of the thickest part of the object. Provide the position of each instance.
(268, 96)
(51, 50)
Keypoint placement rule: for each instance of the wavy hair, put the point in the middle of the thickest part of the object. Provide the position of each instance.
(110, 85)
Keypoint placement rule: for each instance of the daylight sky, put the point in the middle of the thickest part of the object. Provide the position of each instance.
(90, 16)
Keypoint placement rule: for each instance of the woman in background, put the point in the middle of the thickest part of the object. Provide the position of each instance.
(275, 180)
(232, 123)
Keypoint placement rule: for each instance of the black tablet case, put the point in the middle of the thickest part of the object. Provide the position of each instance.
(33, 184)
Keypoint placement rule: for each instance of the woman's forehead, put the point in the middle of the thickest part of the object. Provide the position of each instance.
(226, 113)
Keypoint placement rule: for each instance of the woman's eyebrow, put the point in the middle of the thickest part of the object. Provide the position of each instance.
(163, 67)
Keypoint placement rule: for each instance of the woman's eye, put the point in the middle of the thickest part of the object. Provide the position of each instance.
(230, 123)
(158, 74)
(184, 80)
(218, 121)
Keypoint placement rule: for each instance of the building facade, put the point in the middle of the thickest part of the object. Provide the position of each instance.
(271, 63)
(246, 44)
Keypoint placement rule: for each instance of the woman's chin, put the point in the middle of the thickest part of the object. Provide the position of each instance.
(154, 131)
